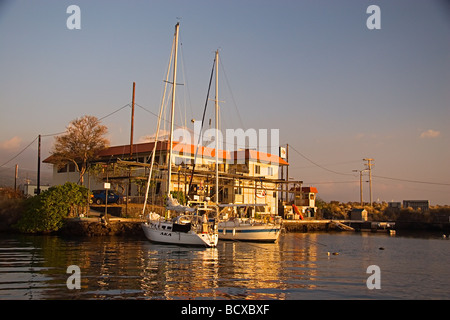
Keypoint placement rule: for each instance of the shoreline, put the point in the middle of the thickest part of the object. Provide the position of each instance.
(94, 227)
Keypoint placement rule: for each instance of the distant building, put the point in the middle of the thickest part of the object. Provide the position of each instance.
(395, 205)
(304, 198)
(30, 190)
(358, 214)
(423, 205)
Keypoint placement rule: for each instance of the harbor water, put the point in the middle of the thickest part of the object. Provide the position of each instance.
(299, 266)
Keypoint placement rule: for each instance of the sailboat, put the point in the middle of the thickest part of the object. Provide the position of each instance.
(234, 227)
(242, 228)
(190, 226)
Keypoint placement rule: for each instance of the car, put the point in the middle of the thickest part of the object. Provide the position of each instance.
(99, 197)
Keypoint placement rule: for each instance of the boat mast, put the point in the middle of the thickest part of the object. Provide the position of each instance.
(217, 126)
(157, 129)
(172, 112)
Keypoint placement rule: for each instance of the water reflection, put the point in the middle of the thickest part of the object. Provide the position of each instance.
(297, 267)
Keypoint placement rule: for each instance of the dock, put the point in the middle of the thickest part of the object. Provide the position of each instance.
(337, 225)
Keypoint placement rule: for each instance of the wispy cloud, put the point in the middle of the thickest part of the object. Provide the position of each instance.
(11, 144)
(430, 134)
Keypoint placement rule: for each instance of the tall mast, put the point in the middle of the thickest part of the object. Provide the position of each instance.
(157, 129)
(172, 112)
(217, 126)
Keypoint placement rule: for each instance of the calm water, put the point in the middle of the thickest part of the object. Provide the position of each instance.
(298, 267)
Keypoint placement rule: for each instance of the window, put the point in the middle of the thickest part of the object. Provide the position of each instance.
(270, 171)
(238, 190)
(257, 169)
(71, 167)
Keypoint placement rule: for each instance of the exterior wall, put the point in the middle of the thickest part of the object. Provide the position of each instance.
(232, 190)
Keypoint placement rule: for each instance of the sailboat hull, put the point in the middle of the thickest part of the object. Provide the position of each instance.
(161, 234)
(257, 233)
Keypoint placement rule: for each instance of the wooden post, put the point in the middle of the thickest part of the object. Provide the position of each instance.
(15, 177)
(132, 120)
(39, 167)
(287, 173)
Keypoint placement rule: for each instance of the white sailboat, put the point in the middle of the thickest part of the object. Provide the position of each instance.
(191, 227)
(243, 228)
(240, 228)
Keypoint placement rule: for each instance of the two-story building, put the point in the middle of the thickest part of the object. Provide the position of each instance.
(245, 176)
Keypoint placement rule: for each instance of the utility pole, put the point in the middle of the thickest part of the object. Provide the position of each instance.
(16, 175)
(360, 186)
(39, 167)
(369, 165)
(287, 173)
(131, 149)
(132, 120)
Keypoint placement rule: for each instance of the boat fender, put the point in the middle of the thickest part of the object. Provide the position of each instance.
(234, 231)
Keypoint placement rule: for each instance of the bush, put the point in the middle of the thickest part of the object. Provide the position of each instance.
(11, 208)
(46, 212)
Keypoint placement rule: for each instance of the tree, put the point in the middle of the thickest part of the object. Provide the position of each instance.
(46, 212)
(83, 139)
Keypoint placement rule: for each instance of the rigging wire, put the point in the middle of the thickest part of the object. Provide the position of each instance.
(201, 128)
(231, 94)
(185, 81)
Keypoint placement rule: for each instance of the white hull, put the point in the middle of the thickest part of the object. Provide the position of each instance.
(161, 232)
(241, 231)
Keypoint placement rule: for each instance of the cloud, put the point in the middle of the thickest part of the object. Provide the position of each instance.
(11, 144)
(430, 134)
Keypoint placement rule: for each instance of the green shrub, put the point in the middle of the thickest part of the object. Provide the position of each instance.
(11, 208)
(46, 212)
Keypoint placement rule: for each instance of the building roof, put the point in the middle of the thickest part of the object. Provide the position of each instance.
(309, 190)
(188, 149)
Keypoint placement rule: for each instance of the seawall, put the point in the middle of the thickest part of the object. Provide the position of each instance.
(95, 227)
(132, 227)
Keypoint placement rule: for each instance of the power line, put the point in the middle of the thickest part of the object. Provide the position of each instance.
(318, 165)
(110, 114)
(55, 134)
(413, 181)
(330, 182)
(376, 176)
(19, 153)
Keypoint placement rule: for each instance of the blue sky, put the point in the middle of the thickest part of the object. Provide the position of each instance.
(337, 91)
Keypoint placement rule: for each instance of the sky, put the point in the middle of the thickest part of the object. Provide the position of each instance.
(337, 91)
